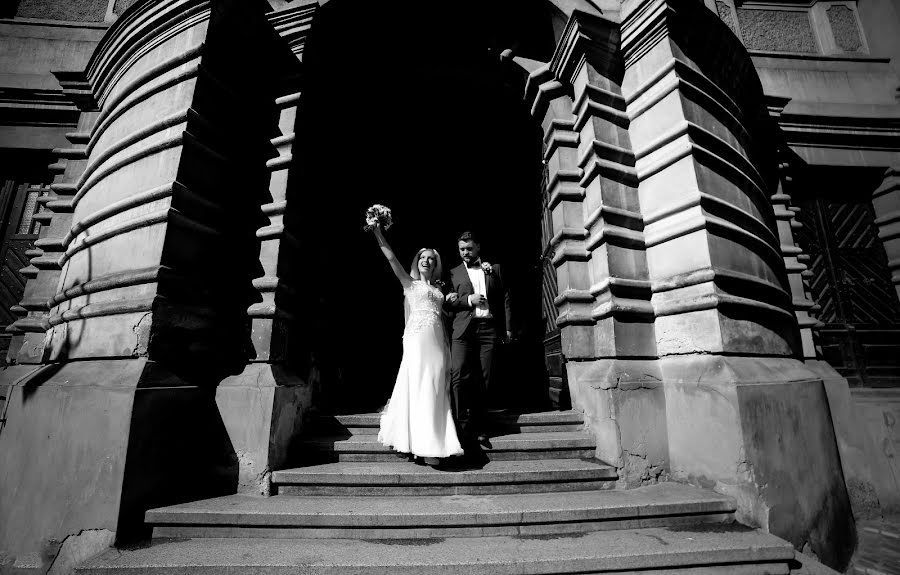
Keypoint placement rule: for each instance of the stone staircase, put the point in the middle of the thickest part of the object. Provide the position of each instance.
(541, 504)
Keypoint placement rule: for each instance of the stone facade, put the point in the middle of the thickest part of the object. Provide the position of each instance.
(168, 330)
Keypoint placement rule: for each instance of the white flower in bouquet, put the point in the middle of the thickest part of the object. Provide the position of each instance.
(378, 214)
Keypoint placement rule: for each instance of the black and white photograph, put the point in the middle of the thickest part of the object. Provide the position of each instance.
(485, 287)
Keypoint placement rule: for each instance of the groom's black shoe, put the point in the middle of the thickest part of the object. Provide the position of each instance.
(484, 440)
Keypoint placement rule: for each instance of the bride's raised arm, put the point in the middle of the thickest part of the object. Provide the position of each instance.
(401, 273)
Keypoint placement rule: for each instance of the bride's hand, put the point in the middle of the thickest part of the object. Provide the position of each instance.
(451, 297)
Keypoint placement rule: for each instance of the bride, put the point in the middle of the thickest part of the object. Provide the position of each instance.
(417, 419)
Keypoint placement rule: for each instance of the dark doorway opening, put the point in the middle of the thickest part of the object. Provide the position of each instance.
(410, 105)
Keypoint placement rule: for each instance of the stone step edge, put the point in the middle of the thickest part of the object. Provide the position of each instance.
(622, 550)
(373, 430)
(515, 442)
(443, 511)
(536, 419)
(557, 529)
(313, 521)
(447, 490)
(419, 482)
(593, 470)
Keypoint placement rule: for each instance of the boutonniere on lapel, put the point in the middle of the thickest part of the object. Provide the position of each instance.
(486, 268)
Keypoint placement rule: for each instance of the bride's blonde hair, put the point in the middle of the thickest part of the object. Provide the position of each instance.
(438, 267)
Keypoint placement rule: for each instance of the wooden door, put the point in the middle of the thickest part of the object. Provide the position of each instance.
(850, 280)
(553, 356)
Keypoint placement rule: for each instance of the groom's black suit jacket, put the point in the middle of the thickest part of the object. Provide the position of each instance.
(497, 296)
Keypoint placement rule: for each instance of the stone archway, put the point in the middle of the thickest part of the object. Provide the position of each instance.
(429, 120)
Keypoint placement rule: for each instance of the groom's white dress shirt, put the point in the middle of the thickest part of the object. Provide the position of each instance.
(479, 285)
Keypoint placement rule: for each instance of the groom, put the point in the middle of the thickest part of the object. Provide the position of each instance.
(481, 321)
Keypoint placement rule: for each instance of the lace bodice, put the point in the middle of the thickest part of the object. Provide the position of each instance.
(424, 303)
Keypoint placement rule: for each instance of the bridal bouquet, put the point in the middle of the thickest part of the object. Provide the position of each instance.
(378, 214)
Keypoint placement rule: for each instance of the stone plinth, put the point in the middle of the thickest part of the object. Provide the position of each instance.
(262, 410)
(91, 445)
(760, 430)
(858, 461)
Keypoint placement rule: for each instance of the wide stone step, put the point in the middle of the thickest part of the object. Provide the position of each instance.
(423, 516)
(404, 478)
(499, 423)
(517, 446)
(731, 550)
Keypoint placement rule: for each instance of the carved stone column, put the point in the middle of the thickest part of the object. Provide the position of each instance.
(792, 253)
(744, 415)
(153, 243)
(606, 317)
(269, 387)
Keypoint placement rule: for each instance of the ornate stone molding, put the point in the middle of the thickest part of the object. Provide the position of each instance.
(293, 25)
(609, 235)
(714, 145)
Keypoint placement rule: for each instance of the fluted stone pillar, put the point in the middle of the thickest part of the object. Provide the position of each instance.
(153, 246)
(606, 317)
(744, 415)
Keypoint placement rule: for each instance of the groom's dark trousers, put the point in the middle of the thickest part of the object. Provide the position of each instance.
(472, 359)
(472, 348)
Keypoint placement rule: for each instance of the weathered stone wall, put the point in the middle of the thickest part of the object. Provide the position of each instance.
(877, 413)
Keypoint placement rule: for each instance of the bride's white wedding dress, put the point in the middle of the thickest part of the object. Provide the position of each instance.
(417, 418)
